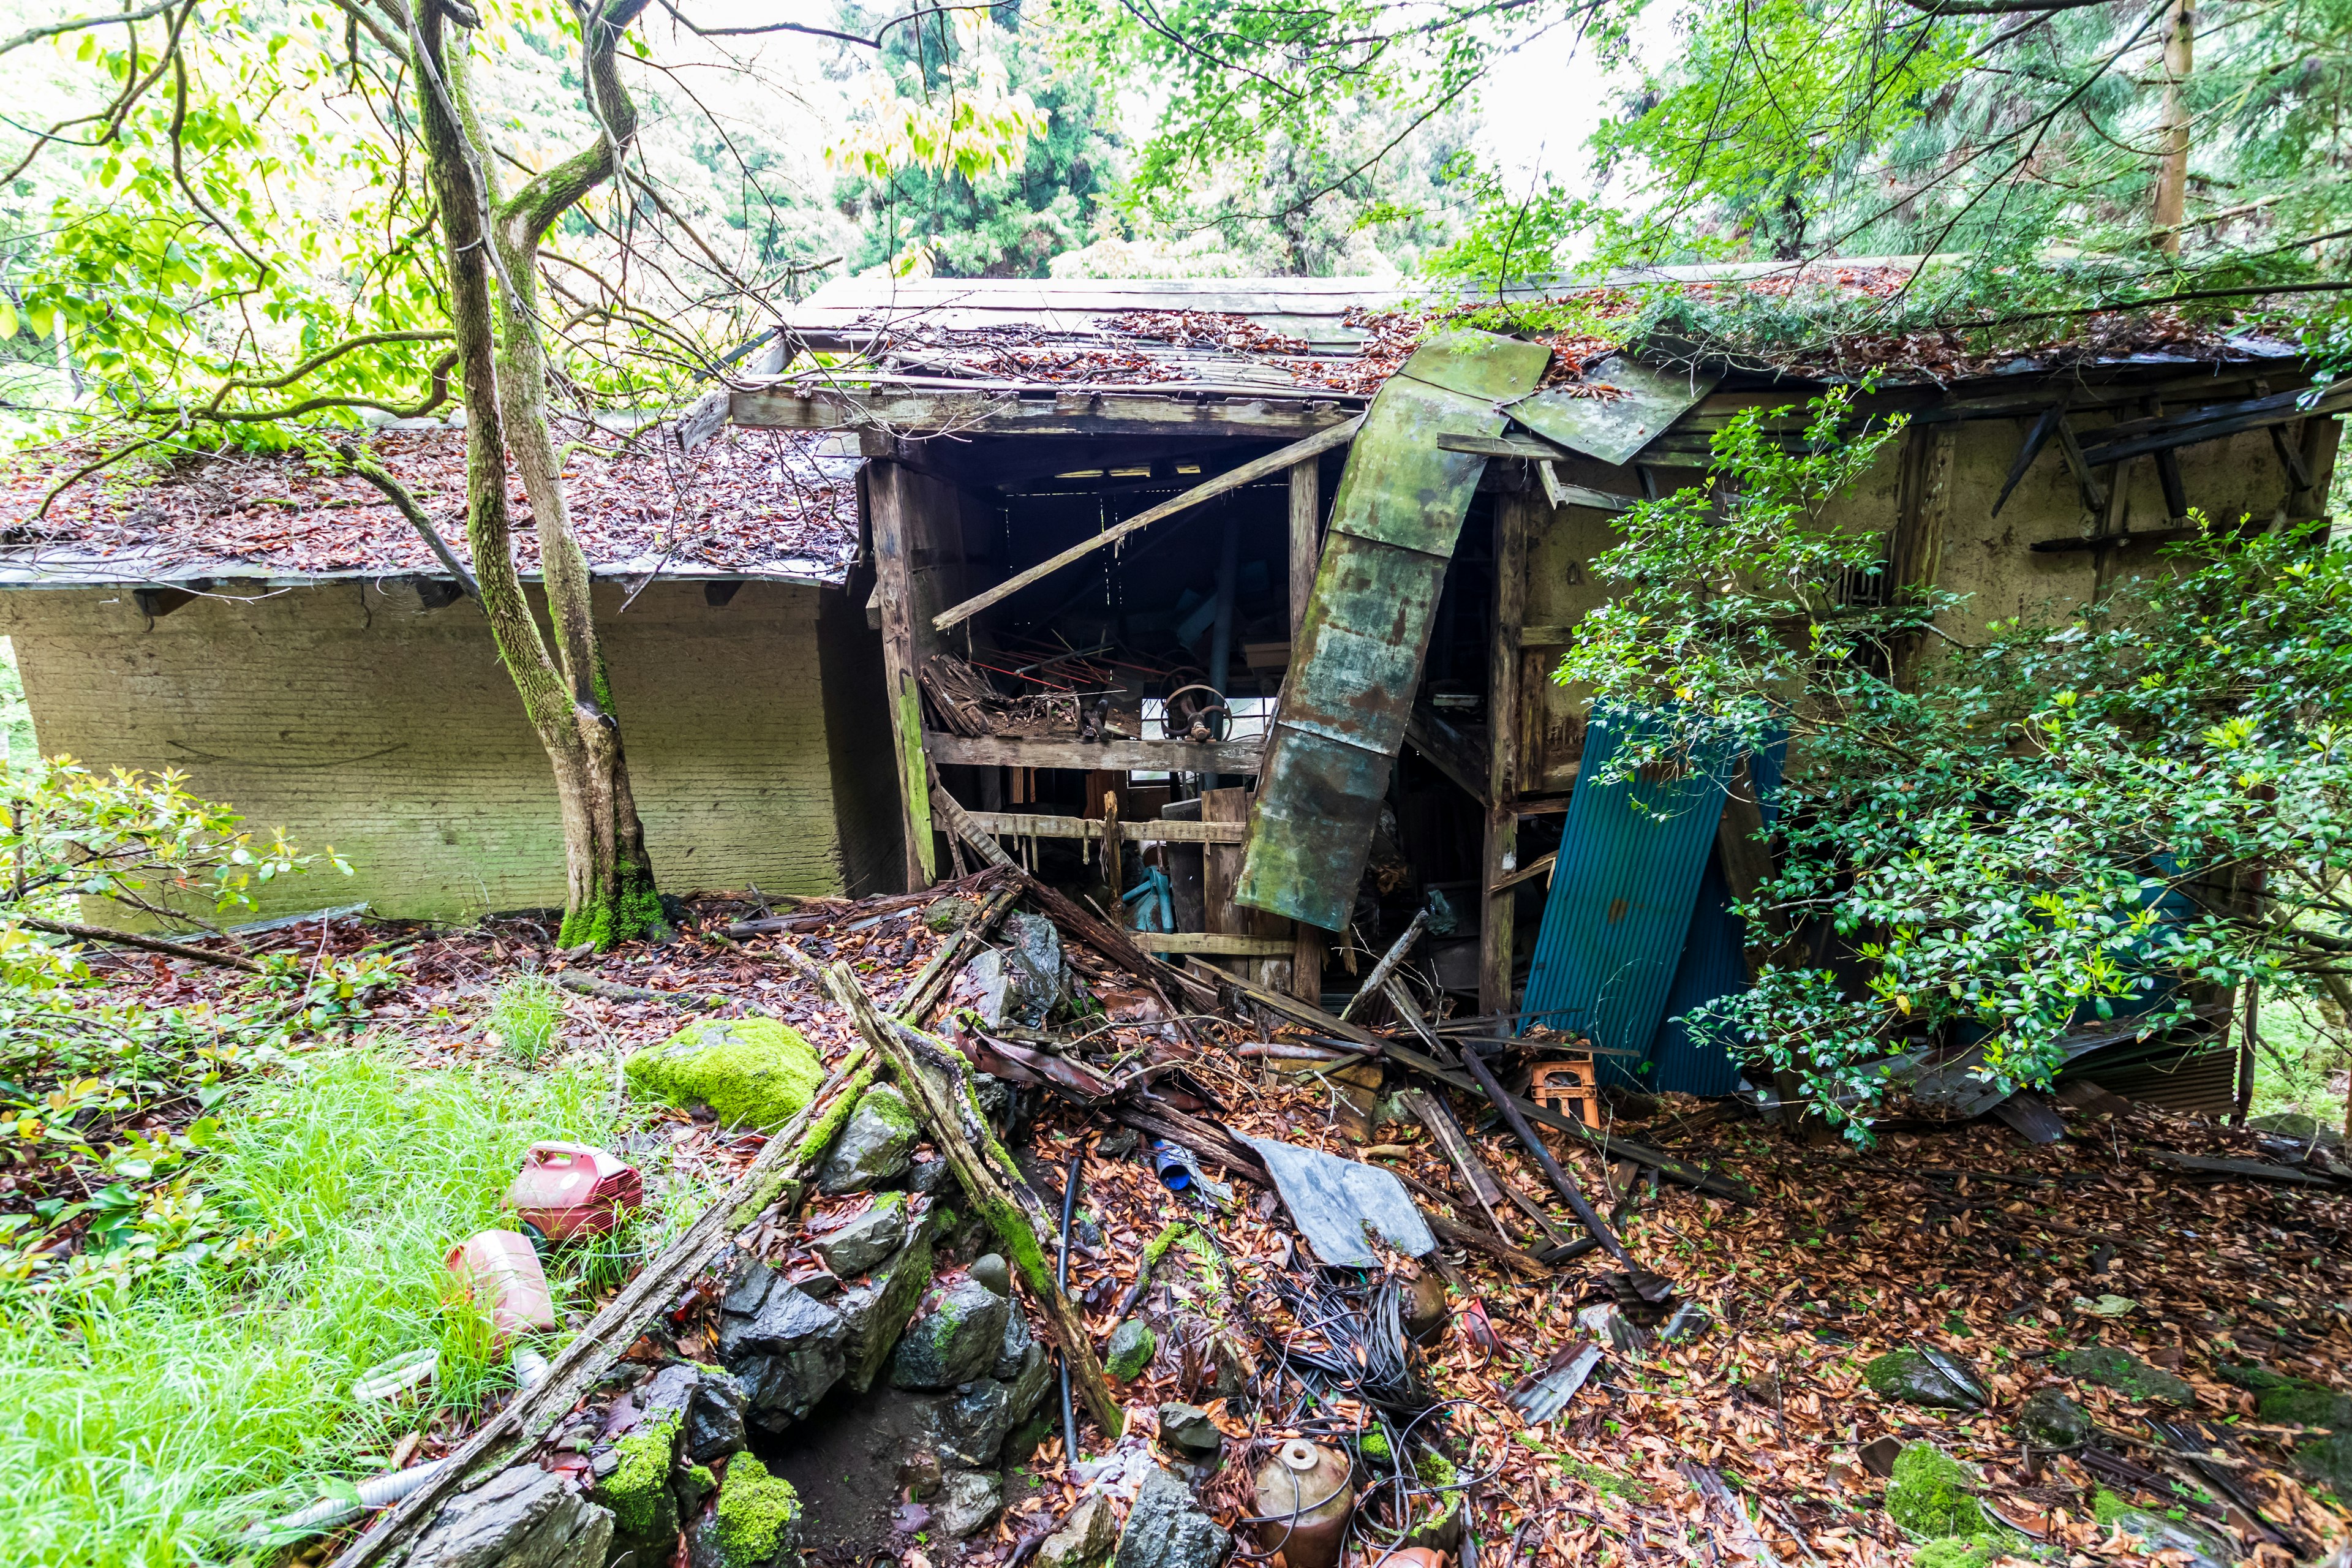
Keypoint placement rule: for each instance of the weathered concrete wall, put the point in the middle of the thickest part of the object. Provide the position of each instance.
(1988, 559)
(351, 716)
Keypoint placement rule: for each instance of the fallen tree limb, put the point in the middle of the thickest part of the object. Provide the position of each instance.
(132, 939)
(589, 985)
(934, 1078)
(782, 1168)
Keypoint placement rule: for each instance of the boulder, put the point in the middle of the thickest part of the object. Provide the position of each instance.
(1084, 1536)
(866, 1238)
(874, 1145)
(972, 1424)
(949, 914)
(2328, 1462)
(787, 1350)
(756, 1523)
(2112, 1368)
(1132, 1346)
(631, 1478)
(706, 1401)
(520, 1518)
(875, 1311)
(1023, 982)
(953, 1339)
(1168, 1529)
(751, 1072)
(1030, 1382)
(2291, 1404)
(1911, 1377)
(2054, 1421)
(1188, 1430)
(968, 1499)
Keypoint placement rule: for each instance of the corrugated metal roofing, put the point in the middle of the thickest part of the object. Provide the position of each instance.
(1630, 859)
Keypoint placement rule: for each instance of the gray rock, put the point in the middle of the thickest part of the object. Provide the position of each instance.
(1909, 1376)
(995, 1098)
(1015, 1347)
(1188, 1430)
(1024, 981)
(707, 1404)
(990, 1269)
(967, 1500)
(1084, 1536)
(2122, 1371)
(875, 1311)
(1168, 1529)
(1032, 1382)
(927, 1176)
(953, 1340)
(2156, 1533)
(787, 1354)
(973, 1423)
(866, 1238)
(2054, 1421)
(1132, 1346)
(873, 1147)
(520, 1518)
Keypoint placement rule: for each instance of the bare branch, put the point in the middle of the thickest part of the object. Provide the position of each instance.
(364, 464)
(81, 23)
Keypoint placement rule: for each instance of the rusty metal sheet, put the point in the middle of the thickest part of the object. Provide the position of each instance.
(1615, 429)
(1394, 523)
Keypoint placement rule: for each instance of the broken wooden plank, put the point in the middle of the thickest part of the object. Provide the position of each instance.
(1147, 830)
(2036, 439)
(1215, 943)
(2254, 1170)
(1256, 469)
(997, 409)
(1110, 756)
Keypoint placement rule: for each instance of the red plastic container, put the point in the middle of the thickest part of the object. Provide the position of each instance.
(499, 1269)
(570, 1189)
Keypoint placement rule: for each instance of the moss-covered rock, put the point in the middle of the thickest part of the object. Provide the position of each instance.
(757, 1523)
(1929, 1495)
(2328, 1462)
(2054, 1421)
(875, 1147)
(2306, 1405)
(1911, 1377)
(752, 1072)
(632, 1479)
(953, 1340)
(2201, 1547)
(1132, 1346)
(1953, 1552)
(2126, 1373)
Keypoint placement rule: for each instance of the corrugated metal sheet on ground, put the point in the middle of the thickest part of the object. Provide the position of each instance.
(1630, 859)
(1394, 523)
(1684, 1060)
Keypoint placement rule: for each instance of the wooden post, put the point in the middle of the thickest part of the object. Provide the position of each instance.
(1306, 554)
(1914, 552)
(1514, 521)
(1222, 872)
(887, 504)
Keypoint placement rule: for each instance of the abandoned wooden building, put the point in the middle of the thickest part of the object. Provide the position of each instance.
(1218, 600)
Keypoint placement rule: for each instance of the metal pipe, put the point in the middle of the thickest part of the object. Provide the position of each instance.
(1062, 1283)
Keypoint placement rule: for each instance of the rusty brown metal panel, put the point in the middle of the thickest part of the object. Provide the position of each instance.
(1349, 693)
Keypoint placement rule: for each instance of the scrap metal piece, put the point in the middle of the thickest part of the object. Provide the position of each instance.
(1548, 1389)
(1358, 650)
(1615, 429)
(1333, 1200)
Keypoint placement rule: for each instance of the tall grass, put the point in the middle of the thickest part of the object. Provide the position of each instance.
(150, 1434)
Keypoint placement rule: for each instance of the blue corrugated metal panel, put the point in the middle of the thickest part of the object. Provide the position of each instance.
(1684, 1060)
(1631, 856)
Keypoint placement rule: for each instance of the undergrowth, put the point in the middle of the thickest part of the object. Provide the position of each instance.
(152, 1431)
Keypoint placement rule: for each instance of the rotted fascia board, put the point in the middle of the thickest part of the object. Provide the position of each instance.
(1348, 701)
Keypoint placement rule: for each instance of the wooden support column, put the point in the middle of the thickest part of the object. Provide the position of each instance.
(1914, 553)
(1305, 555)
(1222, 868)
(1516, 515)
(888, 505)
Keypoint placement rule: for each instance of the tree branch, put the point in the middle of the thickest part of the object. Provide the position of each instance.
(78, 23)
(364, 464)
(134, 939)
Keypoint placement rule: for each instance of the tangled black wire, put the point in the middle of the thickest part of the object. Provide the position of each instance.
(1369, 1357)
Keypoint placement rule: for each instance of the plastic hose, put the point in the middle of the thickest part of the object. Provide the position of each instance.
(375, 1492)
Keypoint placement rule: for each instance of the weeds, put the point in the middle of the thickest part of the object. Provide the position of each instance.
(527, 1017)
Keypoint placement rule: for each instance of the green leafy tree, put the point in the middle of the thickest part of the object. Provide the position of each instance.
(2091, 815)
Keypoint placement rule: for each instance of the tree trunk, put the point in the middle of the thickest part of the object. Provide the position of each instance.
(2172, 163)
(609, 892)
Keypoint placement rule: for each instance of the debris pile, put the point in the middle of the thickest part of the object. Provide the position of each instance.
(1043, 1249)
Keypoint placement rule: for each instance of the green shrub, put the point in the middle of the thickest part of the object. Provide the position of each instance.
(527, 1017)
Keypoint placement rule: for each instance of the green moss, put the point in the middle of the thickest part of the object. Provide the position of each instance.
(759, 1515)
(633, 909)
(1374, 1446)
(638, 1490)
(754, 1072)
(825, 1128)
(2107, 1508)
(1954, 1551)
(702, 1477)
(1132, 1346)
(2126, 1373)
(2306, 1405)
(1630, 1488)
(1929, 1494)
(886, 1104)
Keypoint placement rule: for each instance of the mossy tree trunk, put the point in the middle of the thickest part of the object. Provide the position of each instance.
(492, 242)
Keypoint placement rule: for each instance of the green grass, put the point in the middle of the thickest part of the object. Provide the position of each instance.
(150, 1434)
(527, 1015)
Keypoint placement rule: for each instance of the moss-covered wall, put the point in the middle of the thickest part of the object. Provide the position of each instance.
(350, 715)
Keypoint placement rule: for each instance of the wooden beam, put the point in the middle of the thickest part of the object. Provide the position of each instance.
(1536, 450)
(1112, 756)
(2138, 437)
(1305, 556)
(1527, 872)
(1513, 523)
(2036, 439)
(1148, 830)
(1004, 412)
(1214, 944)
(1915, 551)
(1232, 479)
(887, 501)
(2094, 494)
(1449, 750)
